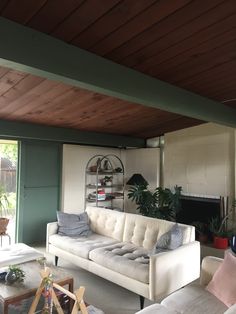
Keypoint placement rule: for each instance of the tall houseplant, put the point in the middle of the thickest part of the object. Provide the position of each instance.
(161, 203)
(3, 211)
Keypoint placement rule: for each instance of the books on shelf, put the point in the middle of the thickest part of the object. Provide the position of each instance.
(100, 195)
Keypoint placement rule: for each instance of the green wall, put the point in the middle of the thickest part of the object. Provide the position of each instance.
(39, 184)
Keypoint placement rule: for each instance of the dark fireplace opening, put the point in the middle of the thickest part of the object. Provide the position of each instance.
(199, 209)
(195, 208)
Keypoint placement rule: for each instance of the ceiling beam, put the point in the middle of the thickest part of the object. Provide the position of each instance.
(30, 51)
(22, 130)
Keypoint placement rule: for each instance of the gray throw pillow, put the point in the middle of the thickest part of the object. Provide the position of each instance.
(170, 240)
(73, 225)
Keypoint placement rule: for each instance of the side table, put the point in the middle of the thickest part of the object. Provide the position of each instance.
(5, 235)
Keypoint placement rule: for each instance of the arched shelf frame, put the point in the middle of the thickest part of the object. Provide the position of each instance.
(96, 163)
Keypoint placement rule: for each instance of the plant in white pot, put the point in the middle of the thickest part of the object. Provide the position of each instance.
(4, 204)
(108, 180)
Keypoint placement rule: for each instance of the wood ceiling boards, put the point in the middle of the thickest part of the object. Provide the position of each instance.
(28, 98)
(186, 43)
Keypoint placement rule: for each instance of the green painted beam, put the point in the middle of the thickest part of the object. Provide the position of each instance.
(20, 130)
(33, 52)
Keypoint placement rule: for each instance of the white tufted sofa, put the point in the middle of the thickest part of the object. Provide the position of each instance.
(194, 299)
(116, 248)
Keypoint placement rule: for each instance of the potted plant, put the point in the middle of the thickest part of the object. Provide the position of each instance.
(3, 211)
(14, 274)
(108, 180)
(220, 234)
(201, 231)
(161, 203)
(169, 202)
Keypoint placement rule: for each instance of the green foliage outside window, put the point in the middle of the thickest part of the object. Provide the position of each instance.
(10, 151)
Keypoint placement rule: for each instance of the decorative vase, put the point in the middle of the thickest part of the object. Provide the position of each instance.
(220, 243)
(233, 243)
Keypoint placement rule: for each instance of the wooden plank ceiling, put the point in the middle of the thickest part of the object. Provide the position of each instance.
(186, 43)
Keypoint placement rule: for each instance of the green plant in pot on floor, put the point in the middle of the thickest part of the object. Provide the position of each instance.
(201, 231)
(161, 203)
(220, 233)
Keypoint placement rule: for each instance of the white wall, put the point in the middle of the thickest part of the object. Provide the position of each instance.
(201, 160)
(145, 161)
(75, 158)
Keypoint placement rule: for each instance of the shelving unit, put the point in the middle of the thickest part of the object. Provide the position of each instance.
(104, 182)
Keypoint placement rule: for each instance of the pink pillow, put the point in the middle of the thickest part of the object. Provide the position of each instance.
(223, 283)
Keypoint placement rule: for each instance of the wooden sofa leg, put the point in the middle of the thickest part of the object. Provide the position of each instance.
(141, 298)
(56, 260)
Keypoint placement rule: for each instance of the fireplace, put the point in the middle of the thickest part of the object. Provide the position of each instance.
(196, 208)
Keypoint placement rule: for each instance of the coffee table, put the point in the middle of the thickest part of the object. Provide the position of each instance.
(12, 294)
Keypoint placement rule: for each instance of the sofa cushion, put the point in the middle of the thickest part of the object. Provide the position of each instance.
(231, 310)
(107, 222)
(80, 246)
(124, 258)
(156, 309)
(73, 225)
(194, 299)
(18, 253)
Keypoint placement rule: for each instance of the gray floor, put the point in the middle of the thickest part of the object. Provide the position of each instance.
(110, 298)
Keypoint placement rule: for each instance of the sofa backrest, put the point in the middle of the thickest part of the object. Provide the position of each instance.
(106, 222)
(145, 231)
(139, 230)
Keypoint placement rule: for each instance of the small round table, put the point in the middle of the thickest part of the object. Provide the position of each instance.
(5, 235)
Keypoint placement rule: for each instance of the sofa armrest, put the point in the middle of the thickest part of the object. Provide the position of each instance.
(172, 270)
(52, 228)
(209, 265)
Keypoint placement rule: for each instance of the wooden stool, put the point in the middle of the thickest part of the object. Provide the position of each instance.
(5, 235)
